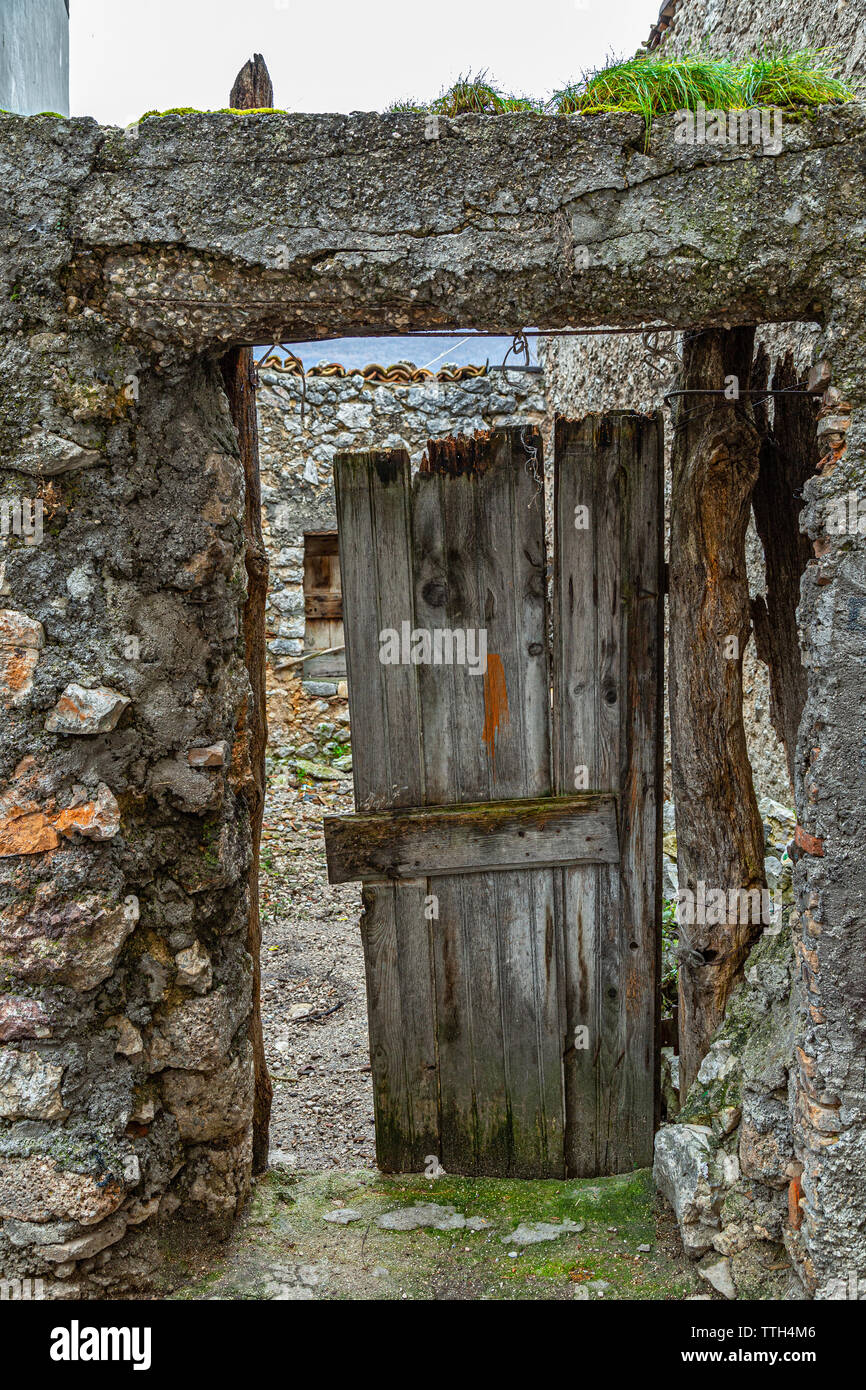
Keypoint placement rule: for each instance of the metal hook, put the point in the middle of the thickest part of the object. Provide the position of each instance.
(519, 346)
(532, 465)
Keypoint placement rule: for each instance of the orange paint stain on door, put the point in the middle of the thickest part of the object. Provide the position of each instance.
(495, 704)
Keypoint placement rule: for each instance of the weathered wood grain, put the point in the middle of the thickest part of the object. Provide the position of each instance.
(324, 606)
(480, 967)
(252, 88)
(480, 563)
(373, 492)
(607, 722)
(474, 522)
(720, 836)
(471, 839)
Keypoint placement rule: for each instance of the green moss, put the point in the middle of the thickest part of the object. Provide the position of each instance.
(217, 111)
(283, 1233)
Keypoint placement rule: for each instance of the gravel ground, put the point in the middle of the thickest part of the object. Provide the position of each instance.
(313, 995)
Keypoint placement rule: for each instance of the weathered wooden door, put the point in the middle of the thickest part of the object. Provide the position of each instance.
(511, 936)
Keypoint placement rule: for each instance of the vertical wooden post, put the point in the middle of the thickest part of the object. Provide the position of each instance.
(788, 457)
(720, 841)
(253, 89)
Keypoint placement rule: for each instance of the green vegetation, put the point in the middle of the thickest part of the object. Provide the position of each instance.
(477, 94)
(790, 79)
(220, 111)
(670, 957)
(652, 85)
(656, 86)
(625, 1247)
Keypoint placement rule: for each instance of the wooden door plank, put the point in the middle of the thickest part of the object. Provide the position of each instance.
(576, 689)
(607, 698)
(480, 563)
(374, 526)
(373, 493)
(476, 838)
(641, 784)
(471, 1052)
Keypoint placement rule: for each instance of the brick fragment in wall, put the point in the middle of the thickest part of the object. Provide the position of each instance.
(212, 756)
(22, 1019)
(28, 828)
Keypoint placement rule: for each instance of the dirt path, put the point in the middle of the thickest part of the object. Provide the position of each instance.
(312, 964)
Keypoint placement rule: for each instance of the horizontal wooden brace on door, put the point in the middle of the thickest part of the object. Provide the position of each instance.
(323, 605)
(426, 841)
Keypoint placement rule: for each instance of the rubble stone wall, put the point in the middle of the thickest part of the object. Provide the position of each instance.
(785, 1170)
(125, 1071)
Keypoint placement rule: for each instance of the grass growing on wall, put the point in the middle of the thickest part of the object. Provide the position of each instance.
(477, 94)
(656, 86)
(652, 85)
(803, 78)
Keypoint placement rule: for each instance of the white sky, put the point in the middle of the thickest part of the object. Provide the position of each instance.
(131, 56)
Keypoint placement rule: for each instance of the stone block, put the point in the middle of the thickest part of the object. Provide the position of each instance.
(683, 1171)
(73, 943)
(21, 640)
(29, 1087)
(211, 1105)
(35, 1188)
(80, 710)
(196, 1034)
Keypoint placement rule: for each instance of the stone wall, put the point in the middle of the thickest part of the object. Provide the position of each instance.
(767, 1150)
(125, 1070)
(344, 412)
